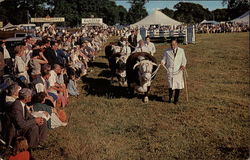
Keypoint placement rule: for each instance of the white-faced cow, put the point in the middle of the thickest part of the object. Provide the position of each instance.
(117, 63)
(139, 68)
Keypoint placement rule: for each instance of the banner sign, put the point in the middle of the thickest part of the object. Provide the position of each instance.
(48, 20)
(91, 20)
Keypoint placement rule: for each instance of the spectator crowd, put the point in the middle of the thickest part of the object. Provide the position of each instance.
(38, 77)
(222, 28)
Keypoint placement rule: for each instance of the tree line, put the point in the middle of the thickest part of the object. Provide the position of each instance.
(20, 11)
(194, 13)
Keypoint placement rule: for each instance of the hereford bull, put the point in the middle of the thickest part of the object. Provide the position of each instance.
(140, 68)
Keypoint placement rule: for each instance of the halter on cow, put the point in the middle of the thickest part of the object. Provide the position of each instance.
(145, 69)
(140, 72)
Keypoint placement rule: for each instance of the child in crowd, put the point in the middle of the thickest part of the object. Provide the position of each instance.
(21, 150)
(72, 86)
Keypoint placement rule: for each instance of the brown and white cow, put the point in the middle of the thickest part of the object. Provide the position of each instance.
(140, 68)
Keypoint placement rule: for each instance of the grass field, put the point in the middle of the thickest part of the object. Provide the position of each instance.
(213, 125)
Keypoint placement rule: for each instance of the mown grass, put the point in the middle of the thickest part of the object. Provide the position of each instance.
(214, 124)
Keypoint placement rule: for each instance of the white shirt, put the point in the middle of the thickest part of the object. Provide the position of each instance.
(126, 50)
(52, 78)
(6, 53)
(40, 87)
(151, 48)
(52, 81)
(141, 49)
(23, 105)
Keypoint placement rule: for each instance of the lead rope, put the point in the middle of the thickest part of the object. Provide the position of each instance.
(155, 72)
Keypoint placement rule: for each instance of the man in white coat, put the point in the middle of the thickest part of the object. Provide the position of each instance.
(175, 61)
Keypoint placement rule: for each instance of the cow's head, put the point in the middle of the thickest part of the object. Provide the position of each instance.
(145, 69)
(121, 66)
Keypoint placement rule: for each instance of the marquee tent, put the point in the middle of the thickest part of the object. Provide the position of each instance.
(242, 19)
(156, 18)
(209, 22)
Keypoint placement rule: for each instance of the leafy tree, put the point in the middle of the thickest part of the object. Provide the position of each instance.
(191, 12)
(17, 11)
(236, 7)
(220, 14)
(168, 12)
(137, 11)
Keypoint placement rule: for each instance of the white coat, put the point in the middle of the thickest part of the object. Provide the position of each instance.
(173, 64)
(151, 48)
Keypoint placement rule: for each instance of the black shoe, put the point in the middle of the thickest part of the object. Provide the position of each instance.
(175, 102)
(169, 101)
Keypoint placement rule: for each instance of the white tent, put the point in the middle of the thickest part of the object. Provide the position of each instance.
(156, 18)
(208, 22)
(9, 26)
(242, 19)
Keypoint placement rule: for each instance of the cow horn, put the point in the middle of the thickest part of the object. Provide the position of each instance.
(138, 63)
(117, 59)
(154, 64)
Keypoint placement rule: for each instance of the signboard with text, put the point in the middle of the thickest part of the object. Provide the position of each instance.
(92, 21)
(47, 20)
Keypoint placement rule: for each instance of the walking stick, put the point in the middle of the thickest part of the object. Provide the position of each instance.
(185, 75)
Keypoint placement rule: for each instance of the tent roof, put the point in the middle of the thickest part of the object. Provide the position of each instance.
(156, 18)
(208, 22)
(244, 18)
(10, 26)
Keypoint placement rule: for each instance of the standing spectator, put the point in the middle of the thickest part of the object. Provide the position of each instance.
(132, 39)
(141, 47)
(150, 45)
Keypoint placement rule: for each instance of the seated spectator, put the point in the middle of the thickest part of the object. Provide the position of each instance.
(55, 88)
(72, 86)
(21, 150)
(33, 129)
(39, 105)
(20, 66)
(12, 94)
(41, 84)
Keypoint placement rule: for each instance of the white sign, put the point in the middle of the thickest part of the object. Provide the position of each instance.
(91, 20)
(48, 20)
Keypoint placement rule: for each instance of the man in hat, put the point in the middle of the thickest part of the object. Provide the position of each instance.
(175, 61)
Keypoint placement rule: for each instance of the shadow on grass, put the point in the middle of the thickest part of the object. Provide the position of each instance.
(239, 152)
(102, 87)
(105, 73)
(99, 65)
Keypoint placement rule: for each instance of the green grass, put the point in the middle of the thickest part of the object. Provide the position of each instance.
(214, 124)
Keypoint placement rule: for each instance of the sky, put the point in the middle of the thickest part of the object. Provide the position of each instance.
(151, 6)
